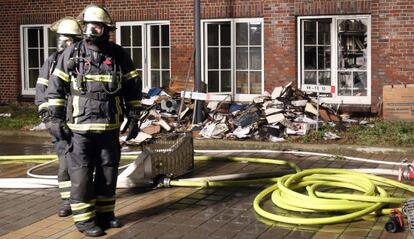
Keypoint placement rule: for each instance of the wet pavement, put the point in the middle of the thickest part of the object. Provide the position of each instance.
(180, 212)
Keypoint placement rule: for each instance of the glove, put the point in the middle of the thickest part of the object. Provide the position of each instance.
(132, 123)
(58, 129)
(132, 127)
(44, 115)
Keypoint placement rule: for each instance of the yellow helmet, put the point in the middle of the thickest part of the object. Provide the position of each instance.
(67, 26)
(95, 13)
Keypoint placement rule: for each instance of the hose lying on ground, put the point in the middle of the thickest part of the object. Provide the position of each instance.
(285, 193)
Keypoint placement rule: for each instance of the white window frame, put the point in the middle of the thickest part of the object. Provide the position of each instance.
(233, 21)
(336, 99)
(24, 65)
(146, 48)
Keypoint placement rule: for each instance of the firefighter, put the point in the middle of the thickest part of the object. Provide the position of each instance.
(103, 85)
(68, 31)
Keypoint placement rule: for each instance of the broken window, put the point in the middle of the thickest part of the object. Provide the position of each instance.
(38, 43)
(352, 57)
(334, 57)
(233, 57)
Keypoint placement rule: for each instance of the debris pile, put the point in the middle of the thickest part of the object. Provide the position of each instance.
(286, 111)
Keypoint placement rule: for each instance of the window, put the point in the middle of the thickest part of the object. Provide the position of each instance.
(233, 57)
(37, 42)
(148, 44)
(334, 57)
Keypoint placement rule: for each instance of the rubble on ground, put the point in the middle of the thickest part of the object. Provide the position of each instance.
(286, 112)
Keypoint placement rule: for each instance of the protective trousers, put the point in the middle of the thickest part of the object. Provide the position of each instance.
(92, 196)
(61, 147)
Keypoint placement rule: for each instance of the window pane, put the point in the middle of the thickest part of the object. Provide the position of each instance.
(165, 78)
(242, 82)
(165, 35)
(324, 58)
(242, 33)
(125, 36)
(155, 35)
(255, 82)
(309, 32)
(255, 58)
(324, 77)
(310, 77)
(136, 36)
(155, 58)
(242, 58)
(225, 81)
(137, 57)
(310, 57)
(155, 79)
(213, 81)
(225, 34)
(255, 34)
(344, 83)
(51, 38)
(33, 74)
(212, 34)
(324, 32)
(33, 58)
(352, 44)
(165, 58)
(213, 57)
(128, 50)
(360, 83)
(225, 58)
(33, 36)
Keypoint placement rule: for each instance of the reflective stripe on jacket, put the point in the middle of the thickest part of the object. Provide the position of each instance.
(108, 88)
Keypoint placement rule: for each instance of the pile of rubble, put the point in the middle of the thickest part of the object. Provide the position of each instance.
(287, 111)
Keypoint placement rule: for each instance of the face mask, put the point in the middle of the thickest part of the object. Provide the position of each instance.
(62, 42)
(93, 30)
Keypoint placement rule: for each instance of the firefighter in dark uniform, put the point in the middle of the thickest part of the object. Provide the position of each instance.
(103, 85)
(68, 31)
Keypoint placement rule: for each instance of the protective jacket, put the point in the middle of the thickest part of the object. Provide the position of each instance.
(59, 143)
(102, 85)
(43, 81)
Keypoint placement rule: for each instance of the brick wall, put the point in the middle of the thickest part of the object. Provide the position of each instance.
(392, 33)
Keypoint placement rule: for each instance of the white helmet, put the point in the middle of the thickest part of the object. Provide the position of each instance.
(67, 26)
(95, 13)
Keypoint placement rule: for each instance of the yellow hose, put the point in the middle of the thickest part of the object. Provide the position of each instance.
(284, 194)
(300, 192)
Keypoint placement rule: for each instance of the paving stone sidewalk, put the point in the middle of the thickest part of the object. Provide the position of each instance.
(185, 212)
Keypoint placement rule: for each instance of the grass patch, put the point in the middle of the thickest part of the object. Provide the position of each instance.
(377, 133)
(23, 116)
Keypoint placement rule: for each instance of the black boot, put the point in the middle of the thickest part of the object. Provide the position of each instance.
(65, 209)
(115, 223)
(94, 231)
(106, 223)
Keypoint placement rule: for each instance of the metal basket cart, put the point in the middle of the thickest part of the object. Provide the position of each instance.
(169, 155)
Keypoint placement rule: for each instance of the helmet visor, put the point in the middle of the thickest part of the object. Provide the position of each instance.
(93, 29)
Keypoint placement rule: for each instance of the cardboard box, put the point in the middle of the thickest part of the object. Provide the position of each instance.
(398, 103)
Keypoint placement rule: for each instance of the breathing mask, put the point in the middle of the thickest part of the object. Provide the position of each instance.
(63, 41)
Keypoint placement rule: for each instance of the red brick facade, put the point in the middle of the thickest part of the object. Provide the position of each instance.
(392, 33)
